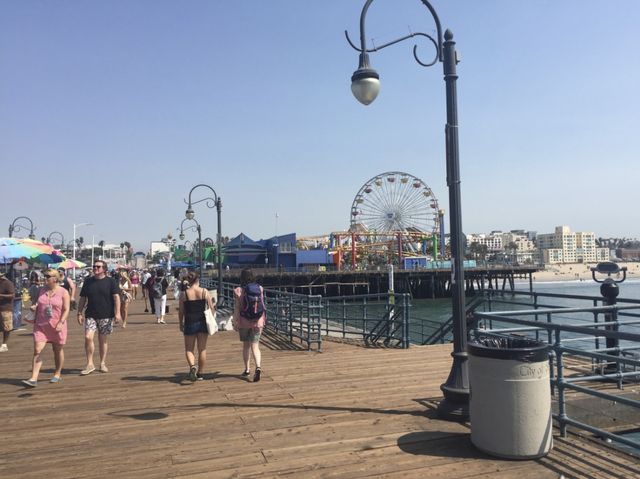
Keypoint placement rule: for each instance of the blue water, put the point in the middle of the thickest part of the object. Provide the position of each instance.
(426, 314)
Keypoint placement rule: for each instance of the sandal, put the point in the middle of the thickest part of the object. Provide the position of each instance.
(193, 373)
(245, 373)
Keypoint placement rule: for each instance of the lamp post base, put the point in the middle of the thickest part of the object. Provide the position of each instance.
(455, 405)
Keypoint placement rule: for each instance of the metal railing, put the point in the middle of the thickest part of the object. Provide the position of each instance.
(563, 329)
(376, 319)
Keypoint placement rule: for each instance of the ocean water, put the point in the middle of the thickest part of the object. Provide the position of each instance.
(427, 313)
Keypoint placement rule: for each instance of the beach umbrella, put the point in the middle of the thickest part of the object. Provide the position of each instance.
(15, 248)
(69, 264)
(54, 257)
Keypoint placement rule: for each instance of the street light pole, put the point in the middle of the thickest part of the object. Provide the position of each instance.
(365, 87)
(189, 214)
(74, 244)
(17, 227)
(199, 230)
(49, 238)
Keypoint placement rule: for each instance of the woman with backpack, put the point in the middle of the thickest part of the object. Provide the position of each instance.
(249, 318)
(193, 302)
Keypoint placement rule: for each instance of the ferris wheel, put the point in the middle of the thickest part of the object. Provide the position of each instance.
(395, 202)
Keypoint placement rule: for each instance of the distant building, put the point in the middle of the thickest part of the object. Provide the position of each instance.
(565, 246)
(628, 254)
(492, 241)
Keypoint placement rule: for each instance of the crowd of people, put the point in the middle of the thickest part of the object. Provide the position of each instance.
(102, 302)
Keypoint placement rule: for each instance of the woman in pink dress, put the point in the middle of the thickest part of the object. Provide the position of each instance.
(50, 325)
(135, 283)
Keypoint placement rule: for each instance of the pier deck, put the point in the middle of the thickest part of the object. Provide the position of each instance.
(346, 412)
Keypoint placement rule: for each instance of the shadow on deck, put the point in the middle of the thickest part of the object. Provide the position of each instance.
(346, 412)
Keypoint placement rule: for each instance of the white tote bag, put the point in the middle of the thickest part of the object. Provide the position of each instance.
(212, 324)
(210, 318)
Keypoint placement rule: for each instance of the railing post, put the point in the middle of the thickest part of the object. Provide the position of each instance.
(405, 321)
(562, 413)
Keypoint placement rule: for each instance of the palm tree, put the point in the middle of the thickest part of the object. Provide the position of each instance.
(512, 248)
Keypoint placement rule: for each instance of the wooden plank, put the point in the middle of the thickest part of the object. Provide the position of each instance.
(346, 412)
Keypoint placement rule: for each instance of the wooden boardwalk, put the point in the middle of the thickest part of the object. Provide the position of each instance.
(346, 412)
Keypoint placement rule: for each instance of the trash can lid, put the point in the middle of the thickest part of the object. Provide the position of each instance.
(509, 347)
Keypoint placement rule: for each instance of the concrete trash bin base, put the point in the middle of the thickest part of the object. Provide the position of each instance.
(510, 403)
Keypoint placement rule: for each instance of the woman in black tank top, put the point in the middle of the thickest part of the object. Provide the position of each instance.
(193, 303)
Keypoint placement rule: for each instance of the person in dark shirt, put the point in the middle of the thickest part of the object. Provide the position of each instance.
(101, 296)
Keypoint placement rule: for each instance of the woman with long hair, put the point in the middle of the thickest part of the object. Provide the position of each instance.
(125, 296)
(49, 326)
(193, 302)
(249, 328)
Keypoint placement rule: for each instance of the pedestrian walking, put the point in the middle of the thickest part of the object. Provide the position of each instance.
(7, 292)
(51, 308)
(146, 275)
(158, 291)
(193, 303)
(125, 296)
(135, 283)
(249, 318)
(67, 283)
(101, 296)
(148, 286)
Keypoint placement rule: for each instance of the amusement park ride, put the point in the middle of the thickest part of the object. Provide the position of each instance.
(394, 215)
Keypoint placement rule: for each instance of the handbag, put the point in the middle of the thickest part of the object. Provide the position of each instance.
(212, 324)
(210, 318)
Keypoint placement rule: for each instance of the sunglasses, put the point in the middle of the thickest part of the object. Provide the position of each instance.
(47, 276)
(97, 266)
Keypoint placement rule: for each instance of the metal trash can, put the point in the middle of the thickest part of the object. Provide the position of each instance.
(510, 403)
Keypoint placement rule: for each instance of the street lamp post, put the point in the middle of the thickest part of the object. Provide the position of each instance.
(190, 214)
(49, 238)
(17, 227)
(199, 230)
(365, 85)
(74, 244)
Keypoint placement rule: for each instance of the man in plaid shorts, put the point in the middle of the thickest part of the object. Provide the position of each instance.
(101, 295)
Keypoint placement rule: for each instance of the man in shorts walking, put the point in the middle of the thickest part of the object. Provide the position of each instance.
(7, 292)
(101, 295)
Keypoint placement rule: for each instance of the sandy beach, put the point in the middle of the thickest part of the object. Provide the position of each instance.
(579, 271)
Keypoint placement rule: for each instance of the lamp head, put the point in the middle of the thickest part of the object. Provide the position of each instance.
(181, 235)
(32, 236)
(189, 214)
(365, 81)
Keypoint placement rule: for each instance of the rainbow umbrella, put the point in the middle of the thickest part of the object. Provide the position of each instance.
(69, 264)
(47, 258)
(15, 248)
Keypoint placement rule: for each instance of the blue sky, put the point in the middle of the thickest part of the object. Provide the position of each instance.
(111, 111)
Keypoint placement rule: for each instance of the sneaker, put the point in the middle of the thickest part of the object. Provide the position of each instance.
(104, 368)
(193, 373)
(4, 348)
(245, 373)
(162, 321)
(199, 377)
(256, 376)
(55, 379)
(30, 383)
(88, 370)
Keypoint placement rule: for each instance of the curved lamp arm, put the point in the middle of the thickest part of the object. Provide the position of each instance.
(17, 227)
(365, 81)
(210, 202)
